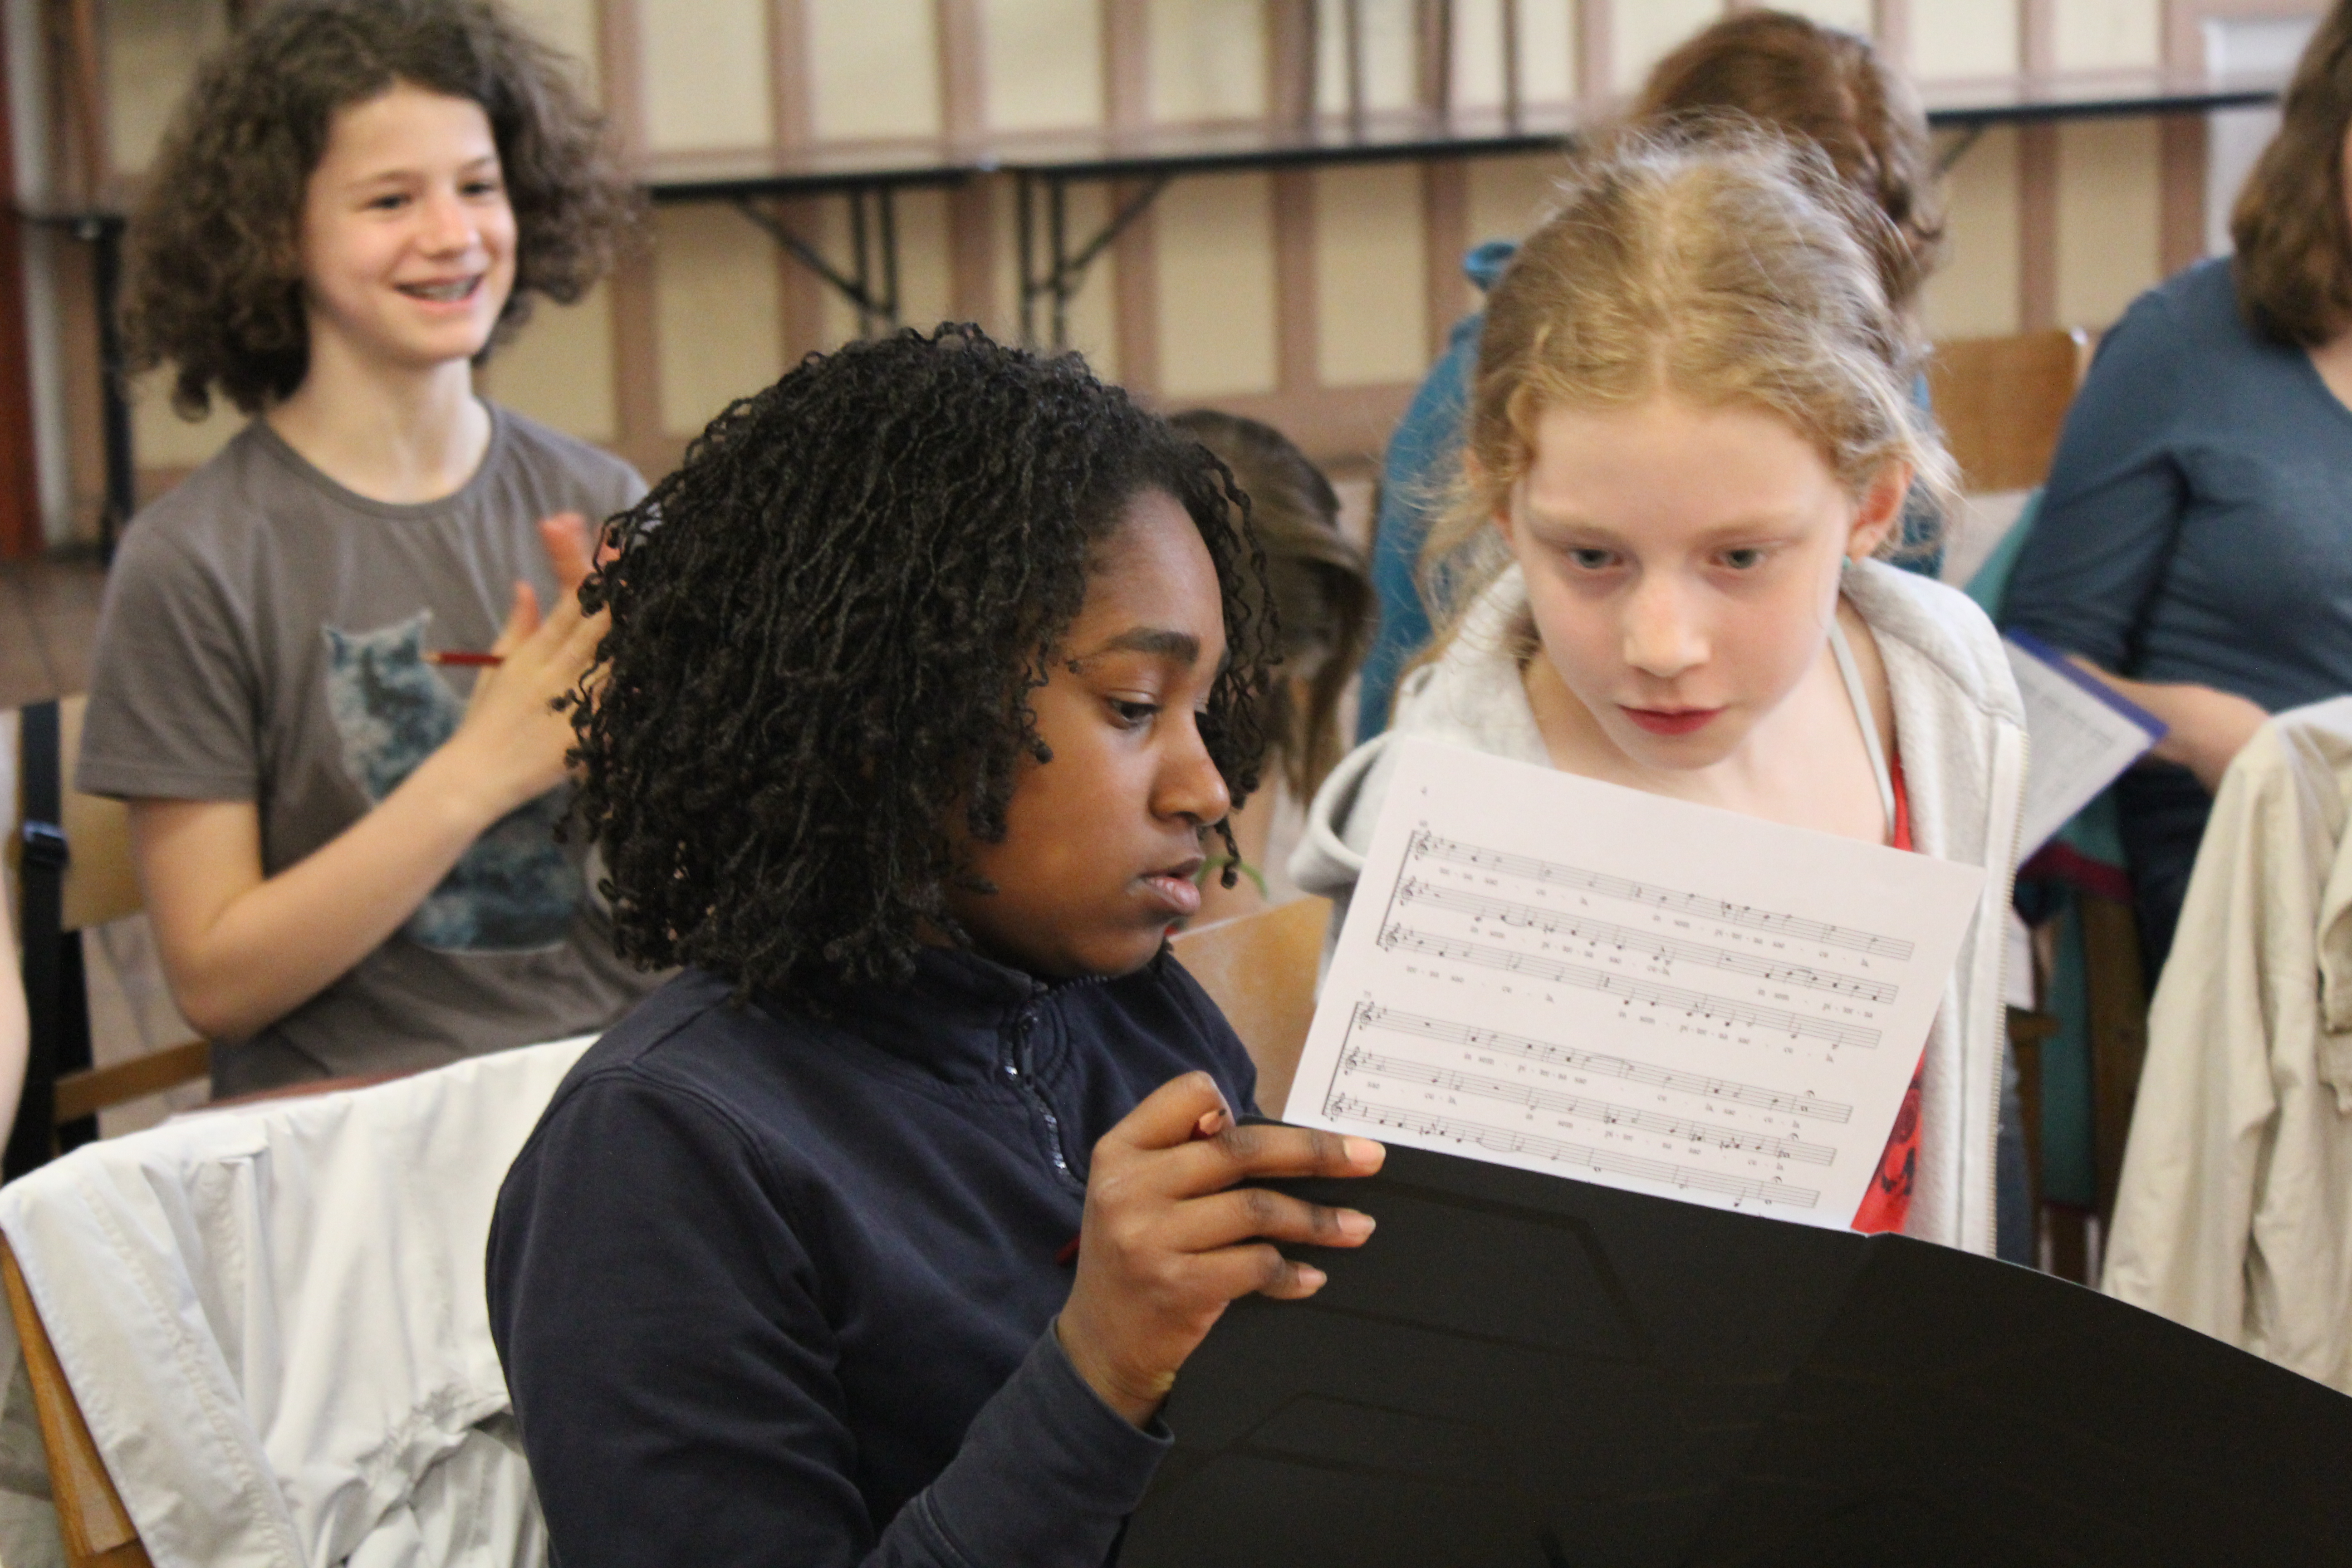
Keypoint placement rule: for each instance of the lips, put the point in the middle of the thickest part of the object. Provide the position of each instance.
(1174, 891)
(451, 292)
(1671, 721)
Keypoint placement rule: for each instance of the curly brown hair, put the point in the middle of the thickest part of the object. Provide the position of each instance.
(1793, 73)
(214, 283)
(2294, 246)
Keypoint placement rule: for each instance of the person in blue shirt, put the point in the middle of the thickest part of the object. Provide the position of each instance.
(2195, 541)
(1787, 71)
(878, 1234)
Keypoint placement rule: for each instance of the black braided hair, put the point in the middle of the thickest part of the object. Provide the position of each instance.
(826, 627)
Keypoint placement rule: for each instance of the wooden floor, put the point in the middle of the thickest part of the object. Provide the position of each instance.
(48, 619)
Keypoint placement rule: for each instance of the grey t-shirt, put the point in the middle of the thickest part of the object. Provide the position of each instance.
(263, 640)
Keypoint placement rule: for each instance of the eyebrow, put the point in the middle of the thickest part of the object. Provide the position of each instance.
(486, 161)
(1156, 642)
(1730, 529)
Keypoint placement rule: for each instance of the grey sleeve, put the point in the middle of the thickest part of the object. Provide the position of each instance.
(173, 698)
(2113, 505)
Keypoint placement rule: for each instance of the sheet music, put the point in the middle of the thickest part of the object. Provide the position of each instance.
(2082, 733)
(1577, 978)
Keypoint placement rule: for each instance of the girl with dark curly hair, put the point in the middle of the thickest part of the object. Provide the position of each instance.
(349, 858)
(878, 1234)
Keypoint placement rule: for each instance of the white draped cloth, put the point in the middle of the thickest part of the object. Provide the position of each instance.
(273, 1319)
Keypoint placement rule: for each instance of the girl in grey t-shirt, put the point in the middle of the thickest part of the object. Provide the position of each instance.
(351, 850)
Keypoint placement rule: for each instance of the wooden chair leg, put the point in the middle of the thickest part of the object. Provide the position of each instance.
(95, 1527)
(2116, 995)
(2027, 1031)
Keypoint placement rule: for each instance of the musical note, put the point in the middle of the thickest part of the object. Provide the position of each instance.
(1427, 845)
(1502, 1140)
(1372, 1015)
(1731, 1139)
(1603, 934)
(1696, 1004)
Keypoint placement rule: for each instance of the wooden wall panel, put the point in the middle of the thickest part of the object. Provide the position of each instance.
(926, 290)
(1548, 50)
(575, 27)
(1044, 63)
(1371, 289)
(1956, 42)
(1508, 196)
(1318, 312)
(2108, 35)
(1206, 60)
(1854, 16)
(706, 67)
(1975, 292)
(718, 313)
(1641, 33)
(160, 437)
(1384, 56)
(1217, 331)
(561, 371)
(1135, 297)
(2109, 218)
(1298, 244)
(874, 69)
(21, 529)
(151, 51)
(1445, 238)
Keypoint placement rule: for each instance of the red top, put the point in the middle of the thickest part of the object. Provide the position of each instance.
(1888, 1201)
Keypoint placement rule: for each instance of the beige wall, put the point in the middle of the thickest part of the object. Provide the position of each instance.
(2060, 225)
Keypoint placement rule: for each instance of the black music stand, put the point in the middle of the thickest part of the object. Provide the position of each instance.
(1526, 1371)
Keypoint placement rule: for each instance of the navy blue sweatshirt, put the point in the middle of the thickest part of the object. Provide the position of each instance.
(776, 1291)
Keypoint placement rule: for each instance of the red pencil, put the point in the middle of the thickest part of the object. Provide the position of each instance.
(465, 660)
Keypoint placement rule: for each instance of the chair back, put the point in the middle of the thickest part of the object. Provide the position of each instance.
(1261, 970)
(93, 1524)
(2001, 403)
(97, 882)
(100, 882)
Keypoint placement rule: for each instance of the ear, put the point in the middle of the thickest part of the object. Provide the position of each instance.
(1879, 513)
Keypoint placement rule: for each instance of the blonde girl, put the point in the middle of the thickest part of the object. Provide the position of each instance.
(1690, 438)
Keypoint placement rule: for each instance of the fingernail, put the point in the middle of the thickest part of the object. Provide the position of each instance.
(1364, 1152)
(1355, 1225)
(1314, 1279)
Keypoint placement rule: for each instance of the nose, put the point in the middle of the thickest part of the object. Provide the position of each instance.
(1663, 634)
(1190, 784)
(448, 224)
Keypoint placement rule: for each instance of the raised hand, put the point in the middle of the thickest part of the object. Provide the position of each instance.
(511, 746)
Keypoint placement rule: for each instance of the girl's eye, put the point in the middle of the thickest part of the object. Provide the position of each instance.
(387, 201)
(1590, 560)
(1132, 715)
(1746, 559)
(482, 187)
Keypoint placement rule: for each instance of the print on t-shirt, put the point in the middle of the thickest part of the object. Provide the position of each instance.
(514, 888)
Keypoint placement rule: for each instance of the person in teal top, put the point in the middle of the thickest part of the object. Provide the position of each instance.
(1787, 71)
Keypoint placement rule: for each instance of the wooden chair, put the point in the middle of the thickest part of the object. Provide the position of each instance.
(1260, 969)
(72, 854)
(92, 1520)
(2003, 401)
